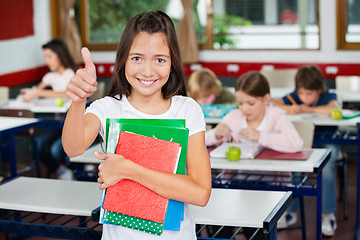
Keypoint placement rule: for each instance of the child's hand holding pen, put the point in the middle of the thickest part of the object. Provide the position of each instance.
(222, 130)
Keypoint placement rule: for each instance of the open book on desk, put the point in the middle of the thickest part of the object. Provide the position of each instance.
(248, 150)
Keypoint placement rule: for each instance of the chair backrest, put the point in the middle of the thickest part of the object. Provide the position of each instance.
(280, 78)
(99, 93)
(306, 132)
(4, 93)
(347, 83)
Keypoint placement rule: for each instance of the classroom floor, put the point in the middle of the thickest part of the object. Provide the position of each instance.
(344, 231)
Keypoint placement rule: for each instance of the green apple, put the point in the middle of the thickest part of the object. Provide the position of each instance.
(336, 114)
(233, 153)
(59, 102)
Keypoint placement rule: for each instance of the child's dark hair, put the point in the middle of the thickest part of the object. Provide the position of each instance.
(149, 22)
(311, 78)
(61, 50)
(253, 83)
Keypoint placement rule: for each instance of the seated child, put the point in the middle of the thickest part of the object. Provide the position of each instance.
(205, 88)
(311, 96)
(256, 120)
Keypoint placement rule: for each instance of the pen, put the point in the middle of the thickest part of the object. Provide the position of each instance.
(210, 99)
(291, 99)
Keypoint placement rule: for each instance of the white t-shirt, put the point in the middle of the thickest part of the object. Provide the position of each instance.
(58, 82)
(180, 108)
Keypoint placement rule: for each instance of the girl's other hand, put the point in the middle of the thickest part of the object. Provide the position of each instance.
(113, 169)
(83, 84)
(250, 133)
(222, 130)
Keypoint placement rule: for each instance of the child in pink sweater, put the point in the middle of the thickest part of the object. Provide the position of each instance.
(255, 120)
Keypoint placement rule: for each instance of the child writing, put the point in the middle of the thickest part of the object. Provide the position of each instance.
(311, 96)
(206, 88)
(62, 68)
(147, 78)
(255, 120)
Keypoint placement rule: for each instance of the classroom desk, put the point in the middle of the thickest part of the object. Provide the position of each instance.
(28, 196)
(8, 127)
(51, 196)
(313, 165)
(339, 138)
(243, 208)
(40, 105)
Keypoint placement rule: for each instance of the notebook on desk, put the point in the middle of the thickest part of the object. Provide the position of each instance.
(272, 154)
(248, 150)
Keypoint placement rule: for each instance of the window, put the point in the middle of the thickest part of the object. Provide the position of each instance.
(220, 24)
(266, 24)
(348, 24)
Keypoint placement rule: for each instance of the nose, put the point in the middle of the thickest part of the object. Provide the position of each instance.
(147, 70)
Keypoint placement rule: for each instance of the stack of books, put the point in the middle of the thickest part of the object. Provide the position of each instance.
(159, 144)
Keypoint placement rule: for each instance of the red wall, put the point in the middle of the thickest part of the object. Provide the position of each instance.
(220, 69)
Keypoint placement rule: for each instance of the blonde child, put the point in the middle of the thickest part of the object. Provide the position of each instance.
(206, 88)
(311, 96)
(255, 120)
(147, 77)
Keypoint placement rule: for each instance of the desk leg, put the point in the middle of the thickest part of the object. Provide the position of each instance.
(272, 234)
(12, 154)
(318, 206)
(357, 186)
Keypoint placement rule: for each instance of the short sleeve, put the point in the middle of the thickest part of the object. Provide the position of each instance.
(195, 121)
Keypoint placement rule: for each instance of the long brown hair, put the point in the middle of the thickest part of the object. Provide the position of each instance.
(60, 49)
(149, 22)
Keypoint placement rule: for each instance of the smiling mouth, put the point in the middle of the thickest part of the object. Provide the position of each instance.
(147, 82)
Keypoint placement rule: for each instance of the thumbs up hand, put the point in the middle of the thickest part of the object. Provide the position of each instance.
(83, 84)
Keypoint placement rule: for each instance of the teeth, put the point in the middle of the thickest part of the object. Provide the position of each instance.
(147, 82)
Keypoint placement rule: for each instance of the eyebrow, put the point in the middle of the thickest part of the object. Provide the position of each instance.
(157, 55)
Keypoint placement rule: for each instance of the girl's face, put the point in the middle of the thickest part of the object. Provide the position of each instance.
(252, 107)
(52, 60)
(307, 96)
(148, 65)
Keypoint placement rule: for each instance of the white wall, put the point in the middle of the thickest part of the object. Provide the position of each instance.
(26, 53)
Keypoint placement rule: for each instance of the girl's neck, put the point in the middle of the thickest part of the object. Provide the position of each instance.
(254, 123)
(61, 70)
(150, 105)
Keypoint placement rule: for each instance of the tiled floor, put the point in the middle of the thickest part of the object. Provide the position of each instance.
(345, 227)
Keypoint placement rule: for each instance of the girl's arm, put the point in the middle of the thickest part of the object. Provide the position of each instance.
(80, 131)
(194, 188)
(283, 137)
(325, 109)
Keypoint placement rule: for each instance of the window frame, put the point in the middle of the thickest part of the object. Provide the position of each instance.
(341, 25)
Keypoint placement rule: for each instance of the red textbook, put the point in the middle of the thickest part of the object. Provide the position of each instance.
(272, 154)
(131, 198)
